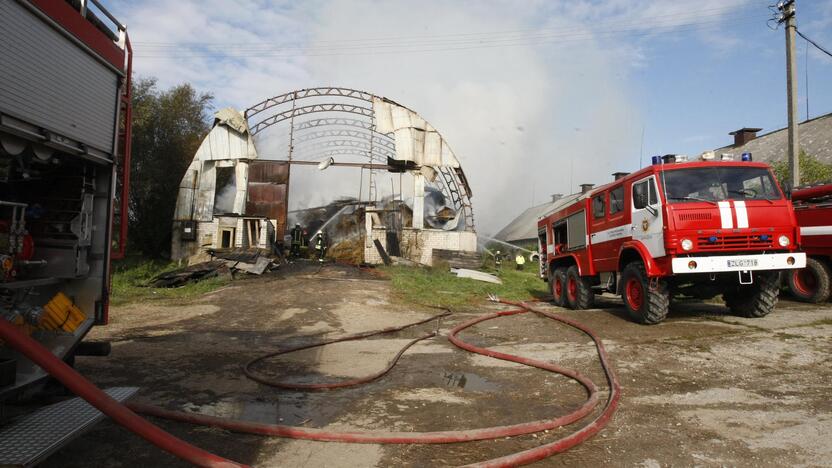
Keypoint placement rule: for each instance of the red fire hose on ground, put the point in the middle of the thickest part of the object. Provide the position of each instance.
(440, 437)
(124, 416)
(106, 404)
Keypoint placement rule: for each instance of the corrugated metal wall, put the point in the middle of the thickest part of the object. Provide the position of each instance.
(50, 82)
(267, 182)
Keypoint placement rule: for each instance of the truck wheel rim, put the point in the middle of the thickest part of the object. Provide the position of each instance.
(558, 288)
(635, 296)
(572, 288)
(805, 281)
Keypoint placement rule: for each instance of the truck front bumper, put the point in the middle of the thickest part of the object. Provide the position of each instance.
(720, 263)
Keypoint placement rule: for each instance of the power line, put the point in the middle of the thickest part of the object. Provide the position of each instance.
(640, 22)
(813, 42)
(436, 41)
(381, 49)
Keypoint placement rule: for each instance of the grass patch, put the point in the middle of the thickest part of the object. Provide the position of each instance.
(132, 274)
(439, 287)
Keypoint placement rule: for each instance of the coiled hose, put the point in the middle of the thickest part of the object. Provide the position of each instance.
(440, 437)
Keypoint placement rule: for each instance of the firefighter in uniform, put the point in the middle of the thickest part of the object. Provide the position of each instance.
(519, 261)
(320, 246)
(297, 240)
(498, 260)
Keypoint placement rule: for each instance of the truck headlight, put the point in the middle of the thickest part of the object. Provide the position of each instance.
(783, 240)
(687, 244)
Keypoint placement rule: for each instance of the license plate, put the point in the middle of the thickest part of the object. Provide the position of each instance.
(742, 263)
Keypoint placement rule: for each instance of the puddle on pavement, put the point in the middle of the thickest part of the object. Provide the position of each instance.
(262, 411)
(467, 381)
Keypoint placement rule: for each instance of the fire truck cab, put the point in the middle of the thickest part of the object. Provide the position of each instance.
(813, 209)
(677, 227)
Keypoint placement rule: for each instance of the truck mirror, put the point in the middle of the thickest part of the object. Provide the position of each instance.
(787, 189)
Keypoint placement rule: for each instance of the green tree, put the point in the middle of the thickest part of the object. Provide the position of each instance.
(812, 170)
(168, 126)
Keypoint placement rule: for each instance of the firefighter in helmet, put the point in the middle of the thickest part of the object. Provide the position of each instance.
(320, 245)
(498, 260)
(297, 241)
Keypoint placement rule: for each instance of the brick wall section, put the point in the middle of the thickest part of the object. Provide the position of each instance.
(418, 244)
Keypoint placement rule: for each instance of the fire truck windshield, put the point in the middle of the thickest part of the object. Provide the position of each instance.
(712, 184)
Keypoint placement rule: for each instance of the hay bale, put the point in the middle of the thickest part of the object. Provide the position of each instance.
(348, 251)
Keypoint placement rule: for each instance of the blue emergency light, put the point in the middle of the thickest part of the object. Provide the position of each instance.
(746, 157)
(712, 239)
(764, 237)
(657, 159)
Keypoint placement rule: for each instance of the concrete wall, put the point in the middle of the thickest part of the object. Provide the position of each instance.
(208, 236)
(418, 244)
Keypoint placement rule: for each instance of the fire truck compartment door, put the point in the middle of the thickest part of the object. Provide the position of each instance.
(50, 82)
(576, 231)
(648, 222)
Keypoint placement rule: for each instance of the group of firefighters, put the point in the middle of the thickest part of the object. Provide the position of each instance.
(519, 260)
(298, 235)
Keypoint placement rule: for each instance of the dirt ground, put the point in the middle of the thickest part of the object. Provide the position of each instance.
(701, 389)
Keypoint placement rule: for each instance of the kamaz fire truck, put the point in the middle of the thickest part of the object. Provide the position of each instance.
(813, 208)
(677, 227)
(64, 159)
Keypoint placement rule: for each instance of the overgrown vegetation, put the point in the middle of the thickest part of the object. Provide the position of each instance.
(439, 287)
(812, 170)
(131, 275)
(168, 126)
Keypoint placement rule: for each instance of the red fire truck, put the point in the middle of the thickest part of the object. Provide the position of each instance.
(64, 157)
(690, 228)
(813, 208)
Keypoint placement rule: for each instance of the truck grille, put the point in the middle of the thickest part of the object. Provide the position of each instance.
(734, 242)
(695, 216)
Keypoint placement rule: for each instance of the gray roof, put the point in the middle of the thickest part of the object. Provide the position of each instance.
(815, 140)
(524, 227)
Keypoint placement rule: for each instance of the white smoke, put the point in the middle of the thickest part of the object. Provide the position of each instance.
(517, 117)
(224, 197)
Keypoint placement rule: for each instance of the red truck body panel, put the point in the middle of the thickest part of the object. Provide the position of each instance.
(813, 209)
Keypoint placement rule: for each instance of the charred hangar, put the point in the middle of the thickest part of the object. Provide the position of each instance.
(236, 192)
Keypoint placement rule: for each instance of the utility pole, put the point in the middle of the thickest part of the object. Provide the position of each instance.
(787, 15)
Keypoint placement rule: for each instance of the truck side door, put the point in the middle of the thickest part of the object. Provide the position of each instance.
(610, 228)
(647, 218)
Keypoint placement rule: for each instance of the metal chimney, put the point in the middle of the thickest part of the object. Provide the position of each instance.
(618, 175)
(586, 187)
(556, 197)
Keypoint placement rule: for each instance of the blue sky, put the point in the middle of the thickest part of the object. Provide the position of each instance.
(564, 103)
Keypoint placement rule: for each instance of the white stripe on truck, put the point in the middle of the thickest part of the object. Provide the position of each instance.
(618, 232)
(742, 214)
(815, 230)
(725, 215)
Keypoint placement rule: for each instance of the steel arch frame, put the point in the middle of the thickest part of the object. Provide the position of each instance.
(310, 109)
(310, 93)
(453, 184)
(312, 143)
(387, 143)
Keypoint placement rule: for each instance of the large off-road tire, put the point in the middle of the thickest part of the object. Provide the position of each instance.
(810, 284)
(579, 293)
(645, 304)
(558, 285)
(757, 299)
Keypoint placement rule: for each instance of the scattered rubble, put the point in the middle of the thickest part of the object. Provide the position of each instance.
(223, 263)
